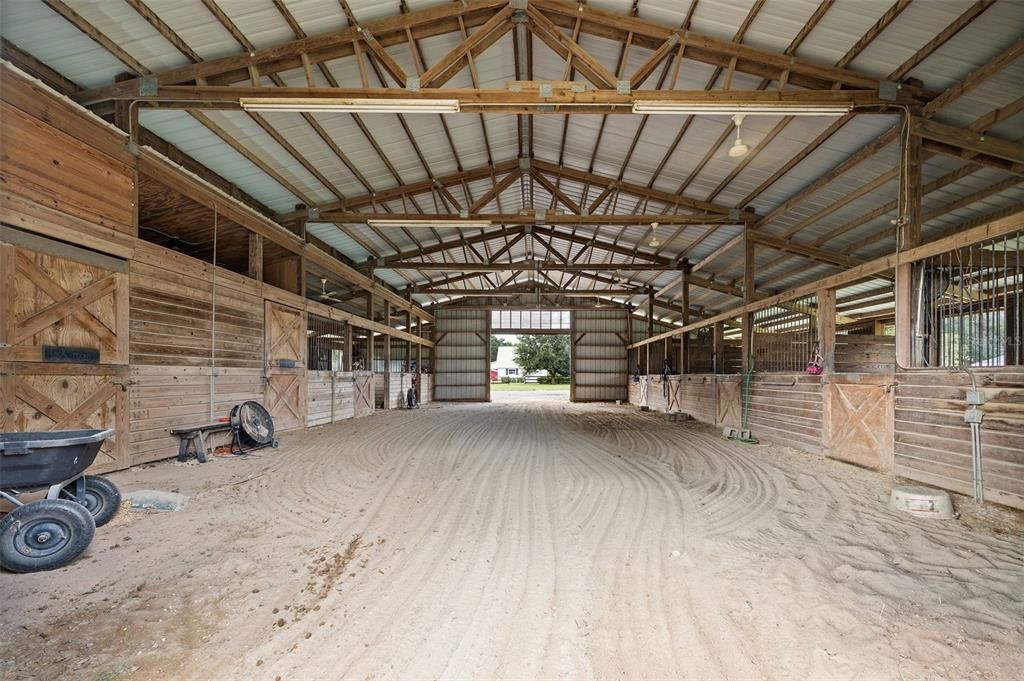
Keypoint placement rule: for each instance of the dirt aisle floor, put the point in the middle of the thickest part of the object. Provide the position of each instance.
(524, 540)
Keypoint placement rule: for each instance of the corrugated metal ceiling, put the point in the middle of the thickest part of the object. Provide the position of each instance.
(423, 148)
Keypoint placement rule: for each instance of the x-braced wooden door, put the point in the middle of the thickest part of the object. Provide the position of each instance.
(64, 342)
(285, 339)
(362, 393)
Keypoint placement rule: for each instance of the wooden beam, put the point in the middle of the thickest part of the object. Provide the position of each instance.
(496, 190)
(979, 143)
(556, 192)
(599, 101)
(803, 250)
(531, 265)
(386, 60)
(564, 46)
(529, 218)
(960, 23)
(495, 27)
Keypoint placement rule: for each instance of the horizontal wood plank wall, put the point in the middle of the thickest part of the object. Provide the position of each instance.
(932, 442)
(175, 360)
(698, 397)
(856, 353)
(786, 409)
(62, 168)
(329, 397)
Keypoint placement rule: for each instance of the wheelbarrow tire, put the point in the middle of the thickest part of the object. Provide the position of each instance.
(44, 535)
(102, 498)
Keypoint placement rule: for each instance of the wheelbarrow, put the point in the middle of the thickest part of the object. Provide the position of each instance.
(50, 532)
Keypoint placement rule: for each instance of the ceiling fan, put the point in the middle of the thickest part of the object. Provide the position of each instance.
(325, 294)
(738, 148)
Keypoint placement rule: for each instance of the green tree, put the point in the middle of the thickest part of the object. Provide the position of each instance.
(495, 344)
(534, 353)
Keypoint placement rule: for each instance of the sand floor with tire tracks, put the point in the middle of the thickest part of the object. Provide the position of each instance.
(524, 540)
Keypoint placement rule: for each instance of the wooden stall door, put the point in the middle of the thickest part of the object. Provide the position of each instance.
(362, 393)
(64, 342)
(730, 404)
(858, 424)
(285, 339)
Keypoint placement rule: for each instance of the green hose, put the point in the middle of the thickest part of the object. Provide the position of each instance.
(746, 399)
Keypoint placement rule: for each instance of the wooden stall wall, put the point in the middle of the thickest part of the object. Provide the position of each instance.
(698, 397)
(63, 174)
(329, 397)
(786, 409)
(932, 442)
(187, 352)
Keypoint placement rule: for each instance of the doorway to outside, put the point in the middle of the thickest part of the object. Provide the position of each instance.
(530, 355)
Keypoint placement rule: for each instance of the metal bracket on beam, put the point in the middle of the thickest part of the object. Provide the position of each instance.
(412, 83)
(313, 213)
(622, 87)
(131, 147)
(734, 214)
(540, 216)
(888, 90)
(524, 164)
(673, 39)
(519, 4)
(545, 90)
(527, 229)
(148, 86)
(463, 213)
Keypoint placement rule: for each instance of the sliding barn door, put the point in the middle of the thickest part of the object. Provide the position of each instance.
(286, 365)
(64, 341)
(462, 355)
(598, 350)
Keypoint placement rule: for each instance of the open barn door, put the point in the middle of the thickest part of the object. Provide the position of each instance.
(599, 370)
(64, 341)
(462, 355)
(286, 365)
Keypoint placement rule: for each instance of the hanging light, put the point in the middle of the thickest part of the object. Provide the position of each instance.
(738, 148)
(654, 236)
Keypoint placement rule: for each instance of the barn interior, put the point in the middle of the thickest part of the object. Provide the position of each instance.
(784, 238)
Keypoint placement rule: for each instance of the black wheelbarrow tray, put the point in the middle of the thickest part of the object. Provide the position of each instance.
(50, 532)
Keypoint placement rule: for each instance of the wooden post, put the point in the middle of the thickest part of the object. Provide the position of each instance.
(387, 356)
(909, 351)
(369, 332)
(255, 256)
(419, 358)
(684, 340)
(826, 328)
(650, 327)
(346, 359)
(747, 342)
(718, 348)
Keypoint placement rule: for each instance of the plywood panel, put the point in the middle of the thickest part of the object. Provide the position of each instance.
(44, 397)
(64, 302)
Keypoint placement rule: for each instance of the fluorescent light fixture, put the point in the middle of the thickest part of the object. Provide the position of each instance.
(429, 223)
(727, 109)
(312, 104)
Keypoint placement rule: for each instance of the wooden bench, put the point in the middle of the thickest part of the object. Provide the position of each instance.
(194, 438)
